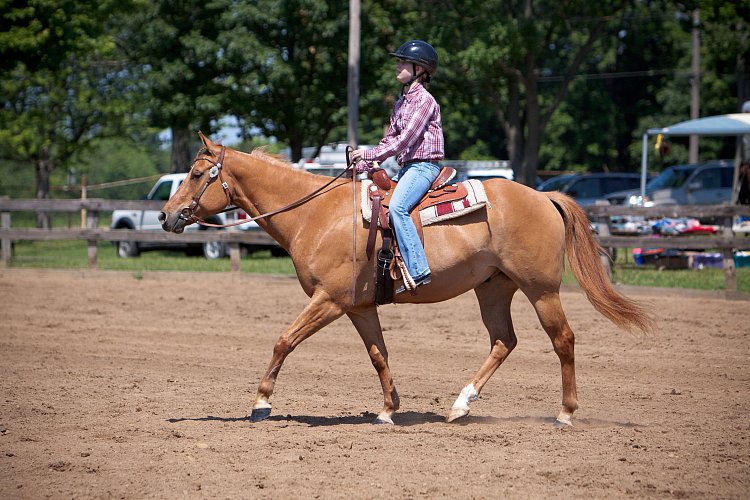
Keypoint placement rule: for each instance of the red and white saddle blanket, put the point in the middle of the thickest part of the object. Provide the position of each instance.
(438, 209)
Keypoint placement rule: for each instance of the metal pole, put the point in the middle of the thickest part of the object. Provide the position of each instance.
(695, 81)
(644, 166)
(353, 73)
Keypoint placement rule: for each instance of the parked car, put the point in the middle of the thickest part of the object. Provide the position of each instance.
(484, 174)
(694, 184)
(163, 189)
(586, 189)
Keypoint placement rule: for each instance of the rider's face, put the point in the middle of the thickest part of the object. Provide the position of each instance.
(404, 71)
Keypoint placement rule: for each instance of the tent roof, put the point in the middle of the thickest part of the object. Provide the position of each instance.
(734, 124)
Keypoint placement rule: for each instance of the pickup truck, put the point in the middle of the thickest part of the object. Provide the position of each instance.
(163, 189)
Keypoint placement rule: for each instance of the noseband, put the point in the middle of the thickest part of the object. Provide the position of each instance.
(188, 213)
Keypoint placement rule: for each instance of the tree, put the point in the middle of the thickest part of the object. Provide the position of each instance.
(181, 48)
(295, 84)
(518, 43)
(63, 89)
(600, 120)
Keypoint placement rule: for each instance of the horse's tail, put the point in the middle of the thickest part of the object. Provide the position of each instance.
(584, 257)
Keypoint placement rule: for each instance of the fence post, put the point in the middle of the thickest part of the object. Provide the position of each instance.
(92, 222)
(6, 243)
(234, 256)
(730, 273)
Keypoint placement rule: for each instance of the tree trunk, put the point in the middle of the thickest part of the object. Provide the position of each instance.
(533, 128)
(44, 167)
(513, 126)
(181, 154)
(295, 147)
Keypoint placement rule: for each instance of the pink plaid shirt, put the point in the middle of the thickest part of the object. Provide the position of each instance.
(415, 131)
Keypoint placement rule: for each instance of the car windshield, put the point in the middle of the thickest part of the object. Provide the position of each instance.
(556, 184)
(669, 178)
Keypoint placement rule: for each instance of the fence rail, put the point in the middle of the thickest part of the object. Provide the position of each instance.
(726, 240)
(92, 233)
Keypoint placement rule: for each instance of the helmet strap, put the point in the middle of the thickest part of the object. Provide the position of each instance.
(415, 76)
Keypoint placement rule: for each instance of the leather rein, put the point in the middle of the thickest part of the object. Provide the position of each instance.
(188, 213)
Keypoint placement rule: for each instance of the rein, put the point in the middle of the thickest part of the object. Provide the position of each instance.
(188, 213)
(350, 164)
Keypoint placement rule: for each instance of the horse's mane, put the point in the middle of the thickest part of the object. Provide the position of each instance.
(261, 154)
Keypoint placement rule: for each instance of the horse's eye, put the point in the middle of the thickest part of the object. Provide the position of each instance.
(197, 174)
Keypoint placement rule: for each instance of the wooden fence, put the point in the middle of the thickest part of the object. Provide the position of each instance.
(92, 233)
(726, 240)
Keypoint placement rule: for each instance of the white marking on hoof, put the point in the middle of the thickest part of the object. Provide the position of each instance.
(261, 405)
(457, 413)
(461, 407)
(261, 411)
(563, 421)
(383, 419)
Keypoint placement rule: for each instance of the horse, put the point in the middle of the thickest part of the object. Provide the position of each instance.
(517, 242)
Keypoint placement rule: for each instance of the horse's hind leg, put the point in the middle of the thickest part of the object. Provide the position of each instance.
(319, 312)
(367, 324)
(552, 317)
(495, 296)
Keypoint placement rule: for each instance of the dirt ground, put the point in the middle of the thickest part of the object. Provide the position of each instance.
(114, 384)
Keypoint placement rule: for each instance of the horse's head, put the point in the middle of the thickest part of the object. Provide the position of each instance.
(203, 192)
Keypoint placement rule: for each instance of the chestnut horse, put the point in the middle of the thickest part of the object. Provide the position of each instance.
(518, 241)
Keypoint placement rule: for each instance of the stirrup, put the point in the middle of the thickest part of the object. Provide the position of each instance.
(420, 282)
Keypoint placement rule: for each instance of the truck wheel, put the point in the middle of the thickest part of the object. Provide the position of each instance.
(126, 249)
(214, 250)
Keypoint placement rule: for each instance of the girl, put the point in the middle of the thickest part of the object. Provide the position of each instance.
(415, 134)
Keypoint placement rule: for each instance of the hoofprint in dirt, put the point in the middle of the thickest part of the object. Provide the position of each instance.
(115, 384)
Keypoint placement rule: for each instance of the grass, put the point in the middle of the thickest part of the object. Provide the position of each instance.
(625, 272)
(72, 255)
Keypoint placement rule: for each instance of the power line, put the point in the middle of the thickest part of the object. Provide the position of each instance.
(618, 74)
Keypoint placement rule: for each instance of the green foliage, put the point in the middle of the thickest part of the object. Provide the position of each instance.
(295, 88)
(43, 33)
(73, 255)
(545, 84)
(62, 84)
(477, 151)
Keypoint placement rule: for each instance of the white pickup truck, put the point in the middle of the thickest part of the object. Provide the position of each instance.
(164, 188)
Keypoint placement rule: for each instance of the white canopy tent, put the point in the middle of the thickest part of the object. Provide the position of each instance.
(736, 124)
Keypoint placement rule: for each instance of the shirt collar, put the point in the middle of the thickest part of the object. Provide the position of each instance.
(414, 92)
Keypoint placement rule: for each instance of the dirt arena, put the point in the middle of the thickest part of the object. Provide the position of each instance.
(135, 386)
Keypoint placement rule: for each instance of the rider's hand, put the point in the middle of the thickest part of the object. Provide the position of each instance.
(357, 155)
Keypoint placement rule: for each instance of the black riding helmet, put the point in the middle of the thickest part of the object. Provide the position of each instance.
(419, 52)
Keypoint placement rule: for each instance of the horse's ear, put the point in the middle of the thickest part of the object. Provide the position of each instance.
(204, 140)
(207, 143)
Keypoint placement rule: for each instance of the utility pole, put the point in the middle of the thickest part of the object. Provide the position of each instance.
(353, 74)
(695, 80)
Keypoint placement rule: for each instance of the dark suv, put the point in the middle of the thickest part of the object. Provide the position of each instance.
(586, 189)
(695, 184)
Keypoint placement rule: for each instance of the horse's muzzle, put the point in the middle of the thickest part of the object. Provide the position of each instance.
(173, 223)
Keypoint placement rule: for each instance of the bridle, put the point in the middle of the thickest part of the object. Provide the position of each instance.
(188, 213)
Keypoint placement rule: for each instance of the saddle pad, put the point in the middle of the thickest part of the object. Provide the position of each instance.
(475, 199)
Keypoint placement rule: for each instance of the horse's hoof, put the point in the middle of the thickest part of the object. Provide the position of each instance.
(563, 423)
(383, 420)
(260, 414)
(456, 413)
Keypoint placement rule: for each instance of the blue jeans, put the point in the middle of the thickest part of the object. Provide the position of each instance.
(413, 182)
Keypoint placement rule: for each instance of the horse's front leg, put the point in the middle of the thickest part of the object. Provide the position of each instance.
(367, 323)
(319, 312)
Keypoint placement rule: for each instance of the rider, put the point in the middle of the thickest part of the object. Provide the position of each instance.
(415, 134)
